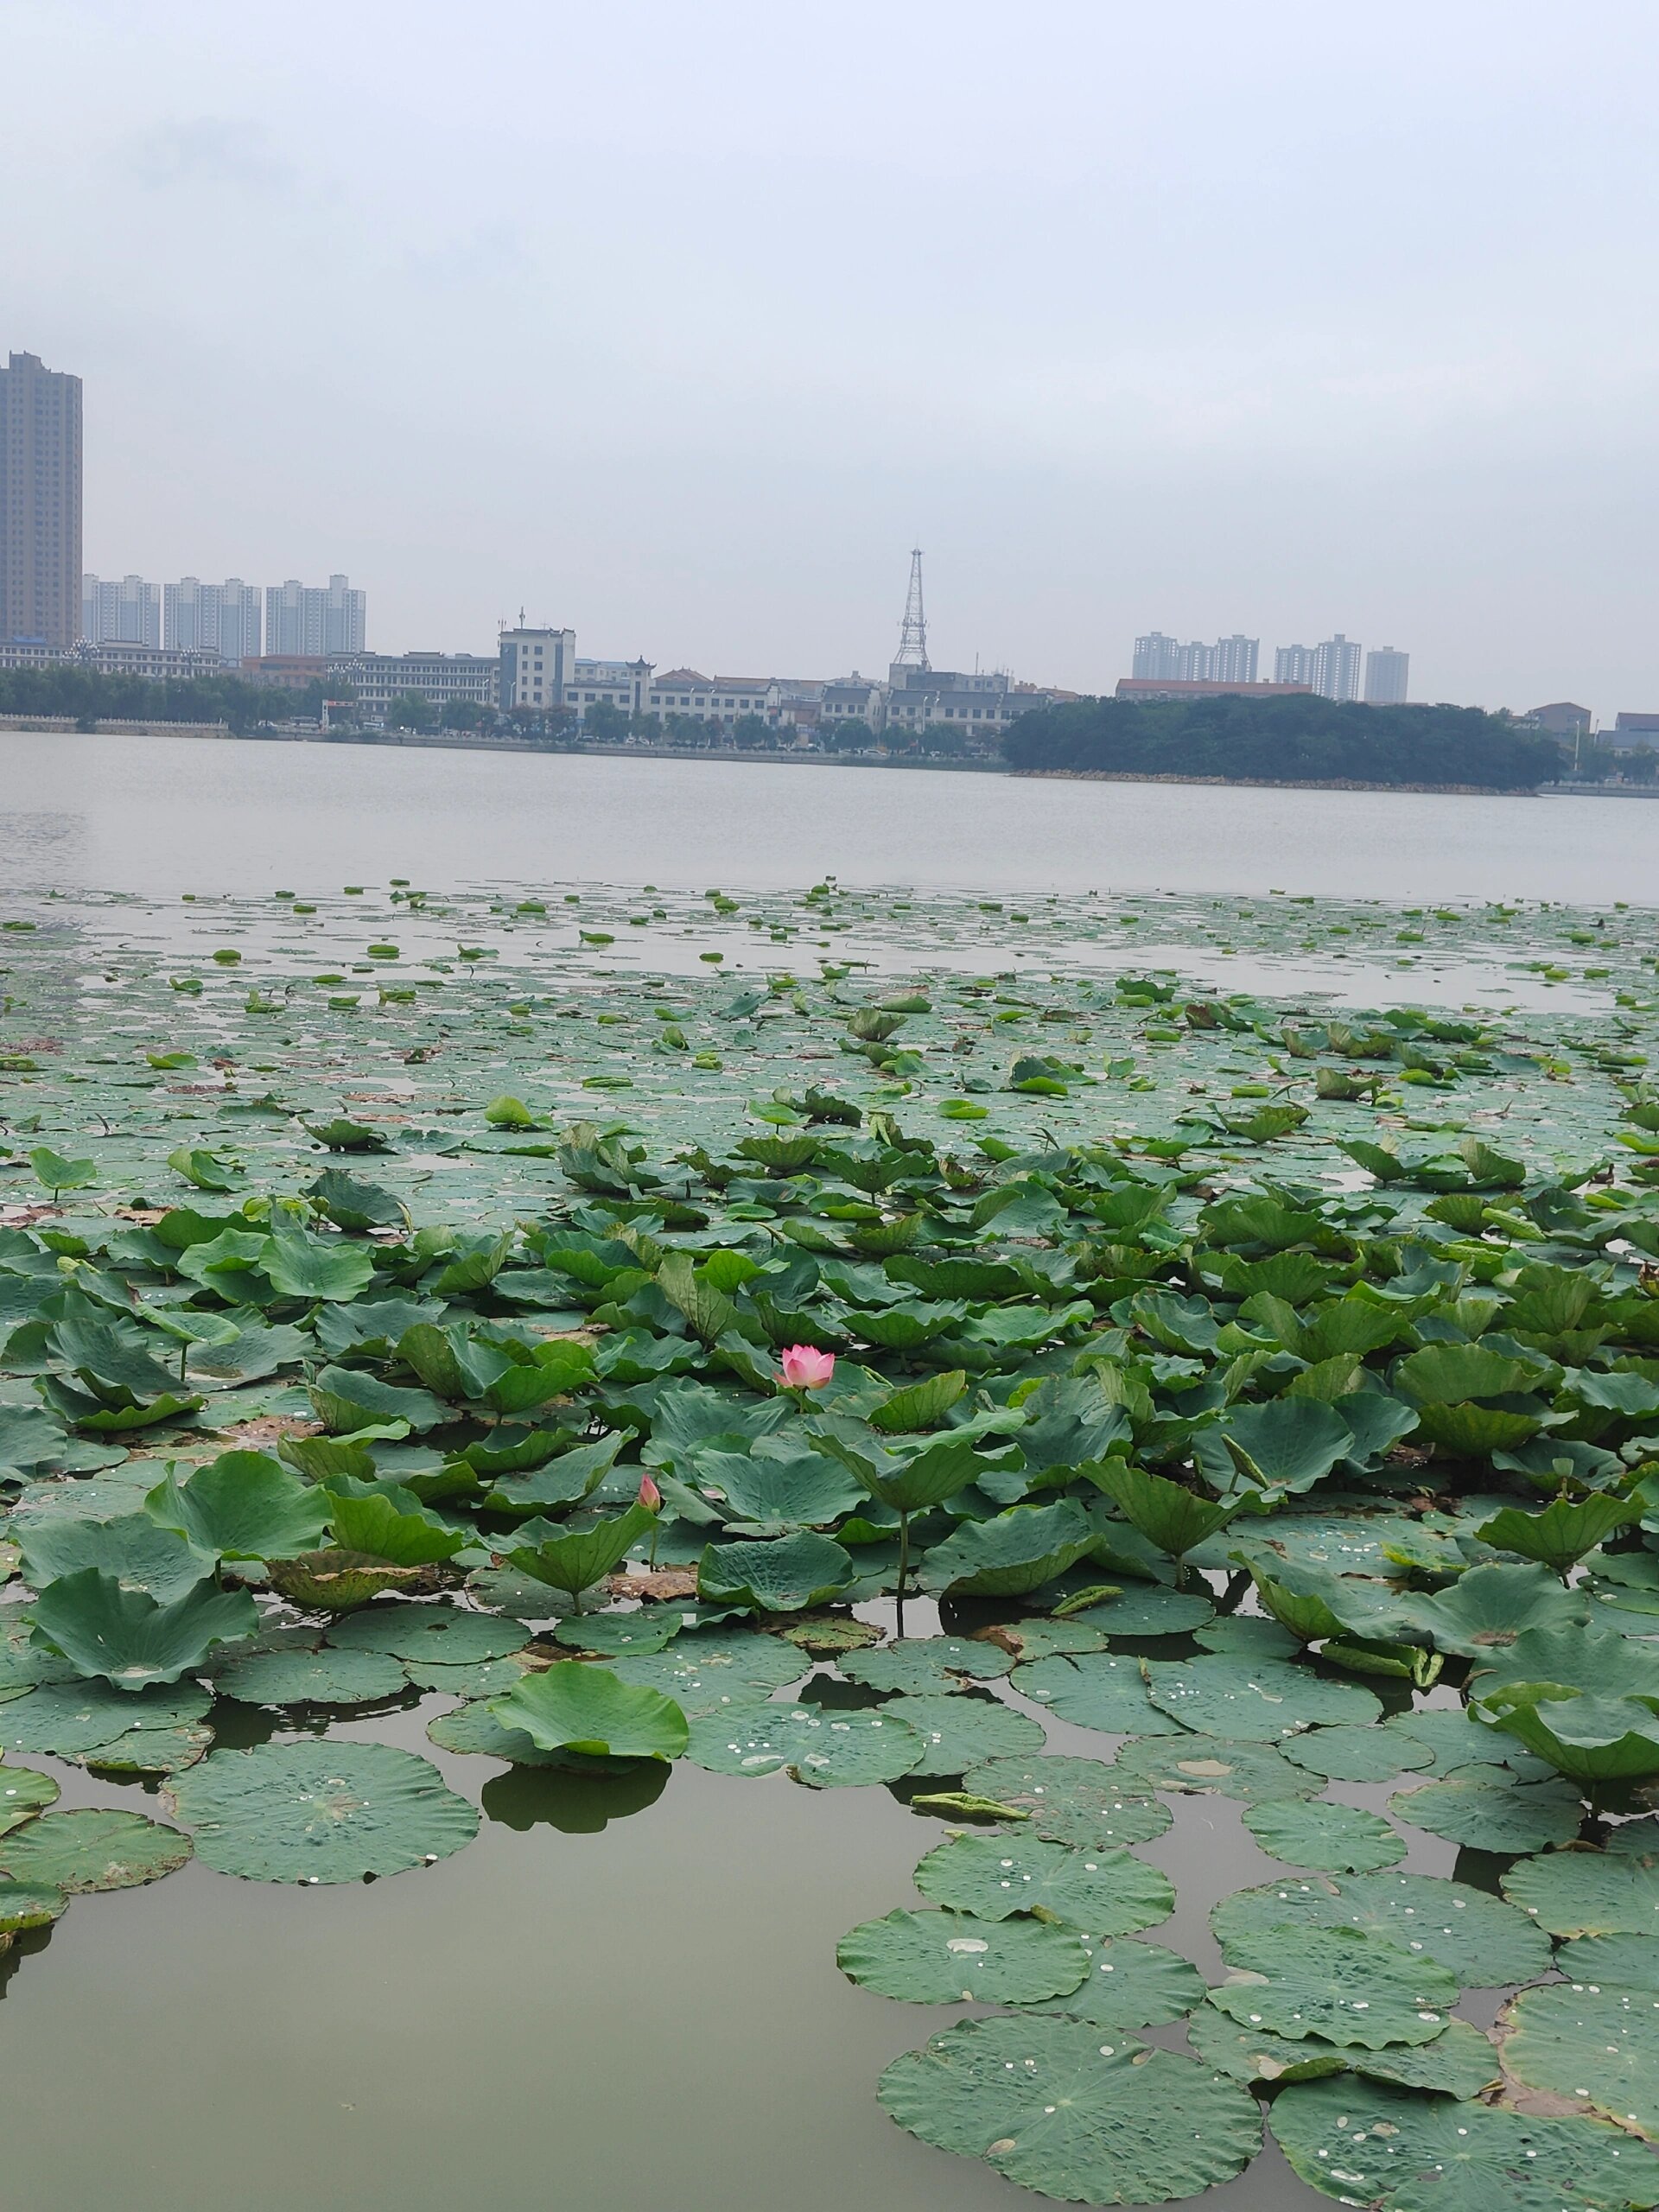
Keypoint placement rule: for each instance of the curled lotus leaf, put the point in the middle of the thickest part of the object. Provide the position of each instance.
(790, 1575)
(1365, 2143)
(1051, 2105)
(1338, 1983)
(1591, 1739)
(86, 1849)
(1461, 2063)
(1100, 1892)
(573, 1706)
(132, 1547)
(242, 1505)
(319, 1812)
(124, 1636)
(950, 1958)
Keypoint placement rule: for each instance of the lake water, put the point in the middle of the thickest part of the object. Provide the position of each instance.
(163, 814)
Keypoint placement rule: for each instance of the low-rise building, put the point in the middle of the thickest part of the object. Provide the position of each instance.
(284, 671)
(376, 680)
(155, 663)
(1633, 734)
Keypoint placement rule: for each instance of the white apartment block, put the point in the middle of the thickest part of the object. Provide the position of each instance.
(224, 619)
(315, 621)
(376, 679)
(1162, 659)
(1386, 674)
(123, 613)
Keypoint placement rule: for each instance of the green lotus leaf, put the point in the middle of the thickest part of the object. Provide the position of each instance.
(1590, 1739)
(703, 1673)
(127, 1637)
(374, 1526)
(959, 1732)
(573, 1562)
(1200, 1766)
(786, 1576)
(920, 1405)
(1174, 1519)
(56, 1173)
(1448, 1375)
(949, 1958)
(1472, 1432)
(1338, 1983)
(774, 1484)
(927, 1662)
(474, 1728)
(24, 1905)
(1460, 2063)
(572, 1706)
(909, 1482)
(1585, 1893)
(1446, 1739)
(1010, 1555)
(1356, 1754)
(349, 1202)
(1095, 1689)
(443, 1634)
(1599, 1662)
(346, 1399)
(1263, 1701)
(1368, 2144)
(1487, 1610)
(113, 1359)
(1611, 1961)
(1599, 2048)
(301, 1266)
(1336, 1839)
(1479, 1939)
(242, 1505)
(319, 1812)
(1563, 1533)
(1049, 2107)
(341, 1134)
(1101, 1892)
(83, 1849)
(1073, 1801)
(24, 1791)
(1131, 1984)
(1484, 1809)
(311, 1678)
(825, 1746)
(74, 1719)
(558, 1479)
(1288, 1443)
(131, 1549)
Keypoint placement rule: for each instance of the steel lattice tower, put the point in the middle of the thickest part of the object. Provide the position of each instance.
(912, 633)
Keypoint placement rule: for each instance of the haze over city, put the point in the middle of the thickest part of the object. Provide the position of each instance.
(683, 329)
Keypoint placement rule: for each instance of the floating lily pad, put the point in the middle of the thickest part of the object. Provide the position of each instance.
(1102, 1893)
(1484, 1942)
(443, 1634)
(1338, 1983)
(1357, 1754)
(1599, 2046)
(1132, 1985)
(1257, 1701)
(1336, 1838)
(319, 1812)
(24, 1791)
(66, 1720)
(949, 1958)
(149, 1750)
(1611, 1961)
(1367, 2144)
(1069, 1799)
(824, 1745)
(1201, 1763)
(1484, 1808)
(474, 1728)
(1138, 1611)
(699, 1672)
(1453, 1739)
(920, 1663)
(489, 1678)
(1049, 2105)
(84, 1850)
(958, 1732)
(1577, 1893)
(25, 1904)
(1094, 1689)
(1461, 2063)
(323, 1677)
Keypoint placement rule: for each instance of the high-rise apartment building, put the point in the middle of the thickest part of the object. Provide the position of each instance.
(1336, 668)
(315, 620)
(1294, 664)
(1386, 671)
(223, 619)
(1166, 660)
(40, 503)
(123, 611)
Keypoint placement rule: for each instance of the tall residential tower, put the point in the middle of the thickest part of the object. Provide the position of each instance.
(40, 503)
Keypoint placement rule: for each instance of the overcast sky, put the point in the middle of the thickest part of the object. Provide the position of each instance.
(681, 324)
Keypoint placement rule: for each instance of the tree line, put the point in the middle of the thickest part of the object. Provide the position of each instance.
(88, 697)
(1290, 739)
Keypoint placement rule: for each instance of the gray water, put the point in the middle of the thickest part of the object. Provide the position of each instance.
(159, 815)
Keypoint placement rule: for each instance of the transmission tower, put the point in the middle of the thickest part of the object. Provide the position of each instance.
(912, 633)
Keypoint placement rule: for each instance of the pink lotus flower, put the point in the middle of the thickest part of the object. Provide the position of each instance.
(807, 1369)
(650, 1497)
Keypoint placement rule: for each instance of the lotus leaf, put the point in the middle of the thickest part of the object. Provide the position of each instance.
(319, 1812)
(1372, 2144)
(787, 1576)
(1132, 1985)
(1102, 1893)
(926, 1663)
(373, 1527)
(312, 1678)
(1287, 1444)
(84, 1850)
(1051, 2107)
(1198, 1765)
(1010, 1555)
(1585, 1893)
(1563, 1533)
(130, 1549)
(242, 1505)
(1263, 1701)
(698, 1671)
(1611, 1961)
(70, 1720)
(1484, 1942)
(1071, 1800)
(1174, 1519)
(946, 1958)
(1487, 1609)
(574, 1707)
(346, 1399)
(474, 1728)
(1338, 1983)
(1095, 1689)
(1458, 2062)
(959, 1732)
(1357, 1754)
(1484, 1809)
(824, 1747)
(440, 1633)
(1591, 1739)
(573, 1562)
(306, 1267)
(23, 1792)
(24, 1905)
(1336, 1839)
(1600, 2048)
(127, 1637)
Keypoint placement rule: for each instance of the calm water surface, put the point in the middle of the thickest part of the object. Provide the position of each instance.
(162, 815)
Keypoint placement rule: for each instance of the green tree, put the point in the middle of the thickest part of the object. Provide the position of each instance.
(853, 735)
(411, 710)
(466, 714)
(606, 723)
(753, 731)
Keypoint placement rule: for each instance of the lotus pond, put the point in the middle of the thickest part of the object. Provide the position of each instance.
(1037, 1524)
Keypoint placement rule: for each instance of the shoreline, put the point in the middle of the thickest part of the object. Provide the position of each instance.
(1271, 783)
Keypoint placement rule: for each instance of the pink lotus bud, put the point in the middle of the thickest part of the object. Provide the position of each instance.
(806, 1367)
(650, 1497)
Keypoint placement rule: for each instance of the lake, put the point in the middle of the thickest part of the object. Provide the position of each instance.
(160, 816)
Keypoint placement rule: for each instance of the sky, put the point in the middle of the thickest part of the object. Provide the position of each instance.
(681, 325)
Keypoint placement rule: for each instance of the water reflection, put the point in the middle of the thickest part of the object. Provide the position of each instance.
(575, 1803)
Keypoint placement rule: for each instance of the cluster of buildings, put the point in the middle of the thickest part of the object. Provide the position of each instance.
(233, 622)
(1337, 669)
